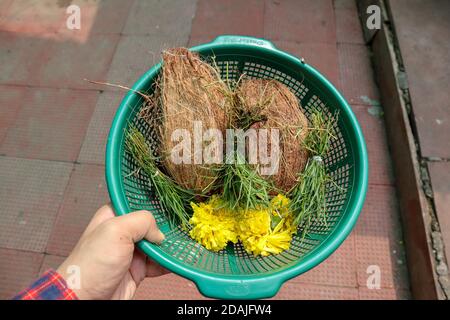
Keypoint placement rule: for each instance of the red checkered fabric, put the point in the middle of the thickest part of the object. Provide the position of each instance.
(51, 286)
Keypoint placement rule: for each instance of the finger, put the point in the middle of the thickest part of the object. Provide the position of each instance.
(138, 267)
(154, 269)
(103, 214)
(139, 225)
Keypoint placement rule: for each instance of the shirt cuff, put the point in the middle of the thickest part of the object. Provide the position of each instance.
(51, 286)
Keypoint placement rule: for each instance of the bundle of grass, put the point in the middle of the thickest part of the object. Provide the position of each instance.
(190, 90)
(309, 194)
(173, 198)
(268, 104)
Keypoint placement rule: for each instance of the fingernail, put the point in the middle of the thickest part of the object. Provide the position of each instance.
(161, 236)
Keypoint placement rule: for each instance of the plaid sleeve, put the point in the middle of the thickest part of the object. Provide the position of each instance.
(51, 286)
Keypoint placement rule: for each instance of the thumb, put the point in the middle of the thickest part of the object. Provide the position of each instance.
(139, 225)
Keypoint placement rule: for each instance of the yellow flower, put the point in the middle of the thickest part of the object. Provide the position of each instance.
(214, 226)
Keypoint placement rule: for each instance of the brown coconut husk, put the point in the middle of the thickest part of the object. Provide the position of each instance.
(277, 107)
(190, 90)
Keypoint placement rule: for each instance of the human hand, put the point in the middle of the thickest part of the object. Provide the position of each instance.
(110, 266)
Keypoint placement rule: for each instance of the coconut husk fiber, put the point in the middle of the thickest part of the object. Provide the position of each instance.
(274, 106)
(190, 90)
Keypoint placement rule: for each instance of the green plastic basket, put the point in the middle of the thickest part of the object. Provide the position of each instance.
(232, 273)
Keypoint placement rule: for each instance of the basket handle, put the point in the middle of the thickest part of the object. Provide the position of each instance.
(245, 41)
(238, 289)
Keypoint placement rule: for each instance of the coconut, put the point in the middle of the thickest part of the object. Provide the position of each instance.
(190, 90)
(269, 104)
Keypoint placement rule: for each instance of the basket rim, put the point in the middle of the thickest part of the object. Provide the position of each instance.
(255, 285)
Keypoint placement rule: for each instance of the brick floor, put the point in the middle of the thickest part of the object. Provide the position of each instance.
(377, 239)
(51, 124)
(17, 270)
(300, 20)
(215, 17)
(48, 112)
(94, 145)
(86, 192)
(51, 262)
(30, 193)
(11, 100)
(356, 74)
(372, 125)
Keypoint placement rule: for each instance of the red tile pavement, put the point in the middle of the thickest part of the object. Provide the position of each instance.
(166, 18)
(19, 55)
(17, 270)
(31, 192)
(343, 259)
(167, 287)
(34, 18)
(51, 262)
(94, 145)
(378, 239)
(291, 291)
(300, 20)
(51, 124)
(215, 17)
(356, 74)
(66, 64)
(146, 52)
(85, 193)
(372, 125)
(10, 103)
(348, 26)
(383, 294)
(322, 56)
(440, 177)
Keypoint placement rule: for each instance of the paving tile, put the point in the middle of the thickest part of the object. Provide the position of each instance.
(51, 261)
(322, 56)
(85, 193)
(356, 74)
(378, 239)
(156, 17)
(34, 18)
(300, 20)
(440, 177)
(19, 56)
(373, 127)
(31, 192)
(167, 287)
(67, 63)
(337, 270)
(383, 294)
(18, 269)
(50, 125)
(195, 41)
(11, 99)
(104, 16)
(348, 26)
(94, 145)
(298, 291)
(425, 50)
(344, 4)
(215, 17)
(4, 5)
(146, 51)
